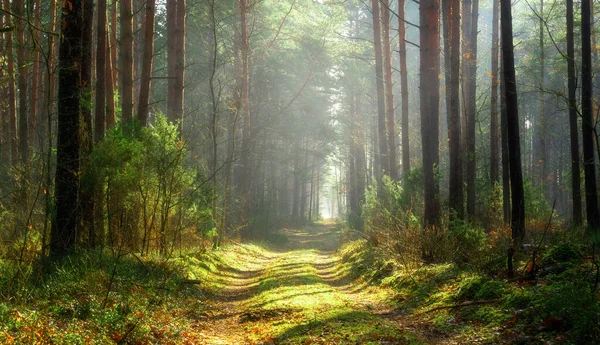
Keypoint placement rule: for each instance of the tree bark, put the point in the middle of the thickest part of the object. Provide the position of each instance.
(64, 228)
(100, 109)
(86, 192)
(575, 160)
(110, 90)
(35, 76)
(429, 98)
(516, 175)
(4, 115)
(180, 61)
(504, 134)
(114, 44)
(471, 110)
(389, 91)
(126, 57)
(451, 13)
(22, 63)
(403, 88)
(148, 29)
(245, 171)
(588, 124)
(12, 93)
(541, 163)
(494, 147)
(381, 130)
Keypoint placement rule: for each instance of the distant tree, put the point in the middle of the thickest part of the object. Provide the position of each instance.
(64, 227)
(514, 145)
(574, 133)
(587, 131)
(429, 97)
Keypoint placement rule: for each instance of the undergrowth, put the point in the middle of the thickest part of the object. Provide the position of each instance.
(109, 297)
(465, 302)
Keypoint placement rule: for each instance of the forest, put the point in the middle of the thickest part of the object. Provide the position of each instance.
(299, 172)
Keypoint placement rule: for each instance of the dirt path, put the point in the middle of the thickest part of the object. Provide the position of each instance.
(299, 295)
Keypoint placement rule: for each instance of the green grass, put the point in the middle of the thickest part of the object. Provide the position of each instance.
(464, 304)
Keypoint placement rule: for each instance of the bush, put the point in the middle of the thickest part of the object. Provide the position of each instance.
(151, 194)
(576, 305)
(469, 239)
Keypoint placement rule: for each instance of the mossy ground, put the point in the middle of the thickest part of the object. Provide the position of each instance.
(303, 290)
(295, 292)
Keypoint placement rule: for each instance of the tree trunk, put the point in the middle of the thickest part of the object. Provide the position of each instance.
(504, 135)
(126, 59)
(35, 76)
(64, 227)
(4, 115)
(22, 63)
(494, 147)
(404, 88)
(171, 58)
(429, 98)
(12, 94)
(148, 29)
(86, 192)
(360, 151)
(575, 170)
(381, 132)
(180, 61)
(110, 90)
(245, 172)
(587, 131)
(516, 176)
(451, 14)
(472, 111)
(389, 90)
(114, 45)
(100, 109)
(541, 160)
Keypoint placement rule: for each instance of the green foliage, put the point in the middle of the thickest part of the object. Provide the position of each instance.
(537, 208)
(148, 187)
(469, 240)
(561, 253)
(574, 303)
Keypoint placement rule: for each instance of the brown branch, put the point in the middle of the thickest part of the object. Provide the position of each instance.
(466, 304)
(279, 28)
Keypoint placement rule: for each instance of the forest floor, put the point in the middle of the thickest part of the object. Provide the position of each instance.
(304, 287)
(300, 293)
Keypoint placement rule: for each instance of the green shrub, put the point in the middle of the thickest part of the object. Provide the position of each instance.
(469, 239)
(561, 253)
(576, 304)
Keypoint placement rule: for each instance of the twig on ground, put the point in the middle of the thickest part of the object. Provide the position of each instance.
(466, 304)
